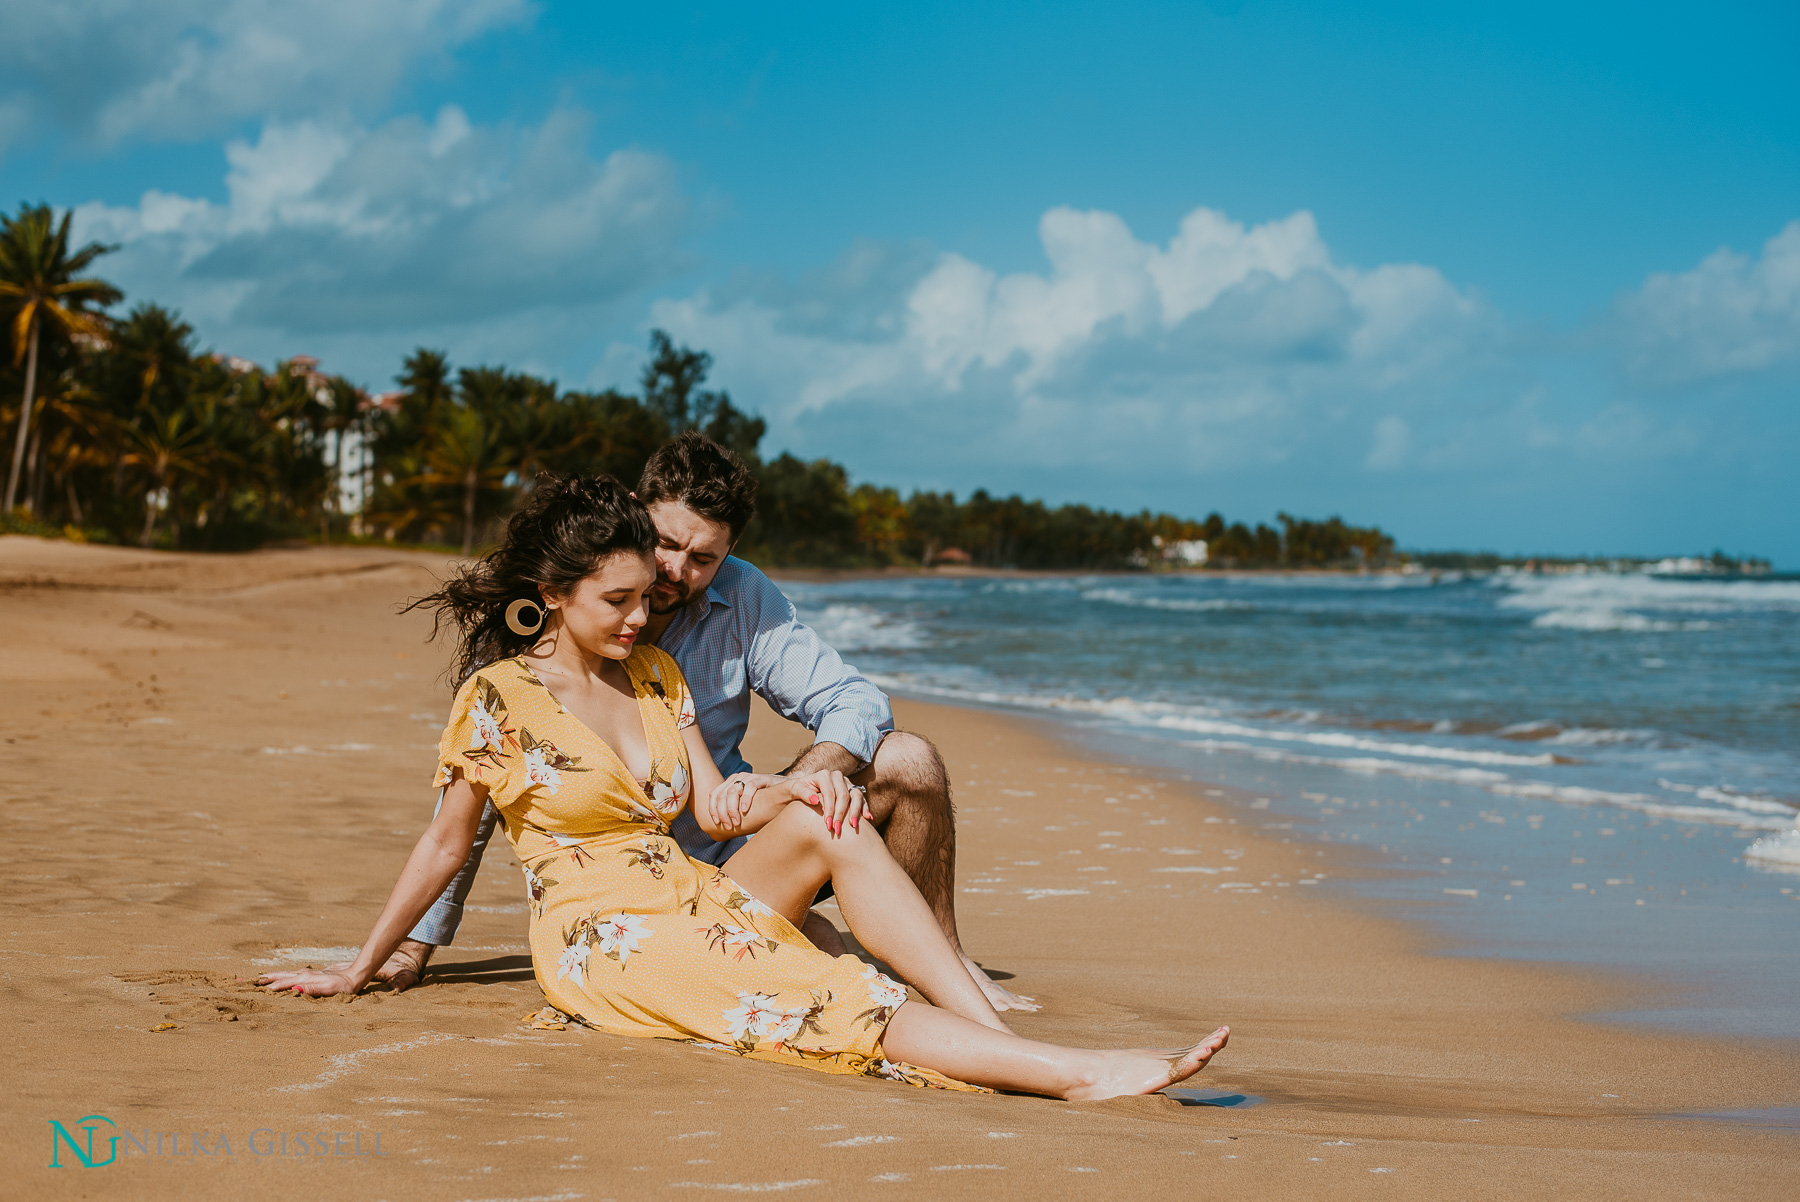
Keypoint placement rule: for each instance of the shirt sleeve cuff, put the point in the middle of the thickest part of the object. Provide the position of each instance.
(858, 737)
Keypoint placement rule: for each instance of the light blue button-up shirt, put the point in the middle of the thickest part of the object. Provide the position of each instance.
(743, 637)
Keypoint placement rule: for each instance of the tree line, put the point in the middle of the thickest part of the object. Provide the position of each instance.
(123, 430)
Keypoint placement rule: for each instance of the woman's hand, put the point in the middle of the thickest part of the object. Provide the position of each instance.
(311, 982)
(831, 793)
(730, 802)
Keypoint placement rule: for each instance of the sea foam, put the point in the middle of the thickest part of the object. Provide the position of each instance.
(860, 628)
(1776, 851)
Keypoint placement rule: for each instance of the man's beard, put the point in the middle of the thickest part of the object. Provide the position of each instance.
(660, 606)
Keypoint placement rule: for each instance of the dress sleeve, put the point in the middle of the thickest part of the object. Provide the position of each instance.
(479, 739)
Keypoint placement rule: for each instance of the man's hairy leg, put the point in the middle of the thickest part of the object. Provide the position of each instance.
(909, 797)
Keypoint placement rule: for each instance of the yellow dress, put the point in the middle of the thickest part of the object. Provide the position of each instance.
(627, 932)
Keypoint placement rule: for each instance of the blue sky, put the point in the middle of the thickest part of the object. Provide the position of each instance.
(1514, 276)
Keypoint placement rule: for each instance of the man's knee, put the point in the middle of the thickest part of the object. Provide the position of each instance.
(910, 765)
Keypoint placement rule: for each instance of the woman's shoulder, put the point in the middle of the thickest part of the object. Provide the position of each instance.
(496, 680)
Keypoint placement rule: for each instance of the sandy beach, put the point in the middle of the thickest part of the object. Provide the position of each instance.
(215, 765)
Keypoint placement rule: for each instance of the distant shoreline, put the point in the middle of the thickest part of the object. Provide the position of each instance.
(960, 572)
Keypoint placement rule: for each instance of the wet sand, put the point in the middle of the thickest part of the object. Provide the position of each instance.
(214, 764)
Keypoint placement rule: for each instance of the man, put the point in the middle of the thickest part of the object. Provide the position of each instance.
(734, 633)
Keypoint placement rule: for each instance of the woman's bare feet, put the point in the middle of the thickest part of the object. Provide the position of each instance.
(998, 996)
(1146, 1070)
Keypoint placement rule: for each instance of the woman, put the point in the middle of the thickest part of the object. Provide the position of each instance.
(585, 743)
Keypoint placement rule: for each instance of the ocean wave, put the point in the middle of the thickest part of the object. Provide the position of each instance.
(1625, 592)
(1730, 797)
(1119, 596)
(1776, 851)
(1474, 768)
(1506, 786)
(1047, 584)
(1598, 736)
(1351, 742)
(860, 628)
(1603, 618)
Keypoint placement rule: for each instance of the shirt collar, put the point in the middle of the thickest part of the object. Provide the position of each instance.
(692, 615)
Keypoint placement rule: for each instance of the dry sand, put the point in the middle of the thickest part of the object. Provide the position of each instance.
(211, 762)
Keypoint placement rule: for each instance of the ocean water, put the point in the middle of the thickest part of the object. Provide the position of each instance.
(1596, 768)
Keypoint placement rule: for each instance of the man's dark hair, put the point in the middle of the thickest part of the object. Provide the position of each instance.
(695, 471)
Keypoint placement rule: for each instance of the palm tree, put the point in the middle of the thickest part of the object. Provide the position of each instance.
(158, 349)
(466, 454)
(41, 278)
(169, 447)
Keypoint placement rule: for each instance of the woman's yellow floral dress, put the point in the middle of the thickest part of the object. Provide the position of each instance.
(627, 932)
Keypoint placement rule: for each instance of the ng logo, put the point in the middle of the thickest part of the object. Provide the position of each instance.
(82, 1149)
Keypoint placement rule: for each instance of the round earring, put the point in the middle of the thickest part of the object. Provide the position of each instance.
(516, 624)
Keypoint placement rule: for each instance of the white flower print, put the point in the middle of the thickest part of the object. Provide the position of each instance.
(783, 1025)
(487, 730)
(789, 1022)
(541, 773)
(882, 990)
(620, 935)
(573, 964)
(686, 718)
(754, 908)
(738, 938)
(670, 796)
(749, 1020)
(577, 845)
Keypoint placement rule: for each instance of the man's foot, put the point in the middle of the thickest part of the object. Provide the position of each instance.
(998, 996)
(1146, 1070)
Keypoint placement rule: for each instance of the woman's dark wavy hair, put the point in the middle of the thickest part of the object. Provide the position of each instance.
(561, 533)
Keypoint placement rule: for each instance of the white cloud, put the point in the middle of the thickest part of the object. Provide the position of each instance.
(1728, 316)
(1393, 438)
(108, 69)
(1228, 345)
(1271, 290)
(407, 228)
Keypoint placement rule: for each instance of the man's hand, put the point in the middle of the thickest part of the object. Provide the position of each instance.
(404, 969)
(730, 802)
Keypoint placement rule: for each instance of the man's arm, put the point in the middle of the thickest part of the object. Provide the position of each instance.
(439, 925)
(825, 756)
(806, 681)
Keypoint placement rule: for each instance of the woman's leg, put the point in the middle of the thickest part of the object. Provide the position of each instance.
(794, 854)
(952, 1045)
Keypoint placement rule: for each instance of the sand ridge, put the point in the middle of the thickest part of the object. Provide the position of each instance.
(213, 764)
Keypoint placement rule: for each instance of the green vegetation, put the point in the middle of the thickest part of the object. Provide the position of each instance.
(131, 434)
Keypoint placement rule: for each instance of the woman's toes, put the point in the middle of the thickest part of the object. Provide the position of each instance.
(1196, 1057)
